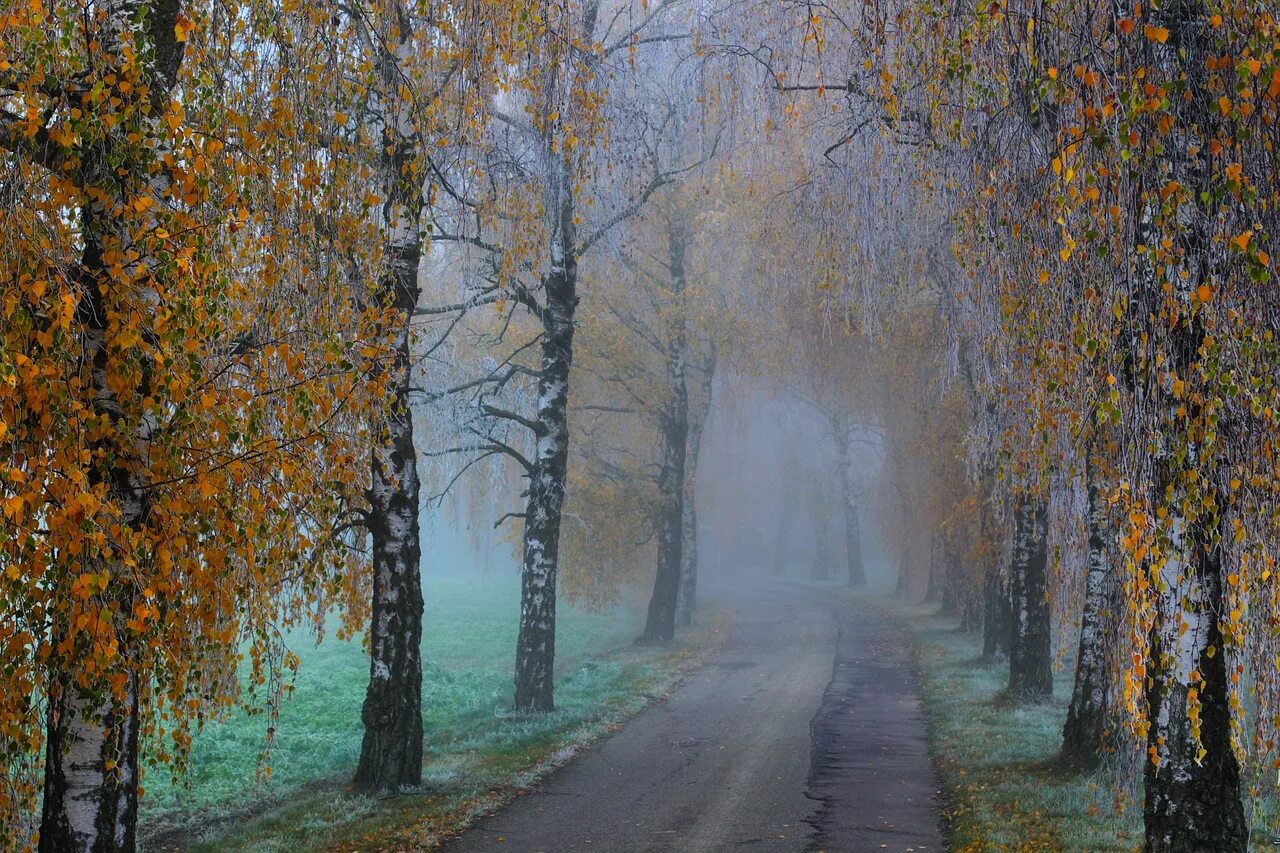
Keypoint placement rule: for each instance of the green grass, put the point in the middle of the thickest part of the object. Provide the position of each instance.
(1003, 786)
(478, 752)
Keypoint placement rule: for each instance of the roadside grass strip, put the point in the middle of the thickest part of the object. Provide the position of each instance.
(1003, 785)
(479, 754)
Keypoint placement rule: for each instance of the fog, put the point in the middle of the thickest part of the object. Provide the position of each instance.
(638, 425)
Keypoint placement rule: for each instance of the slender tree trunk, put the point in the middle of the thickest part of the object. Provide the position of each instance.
(857, 575)
(1030, 656)
(934, 591)
(819, 568)
(90, 791)
(687, 595)
(997, 624)
(660, 624)
(91, 758)
(391, 751)
(946, 576)
(536, 645)
(687, 600)
(1089, 717)
(970, 609)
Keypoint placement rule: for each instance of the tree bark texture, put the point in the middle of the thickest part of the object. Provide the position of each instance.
(1192, 774)
(1085, 736)
(1030, 655)
(391, 751)
(90, 791)
(536, 644)
(997, 622)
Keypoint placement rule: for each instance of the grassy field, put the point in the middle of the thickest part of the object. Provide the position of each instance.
(479, 754)
(1003, 787)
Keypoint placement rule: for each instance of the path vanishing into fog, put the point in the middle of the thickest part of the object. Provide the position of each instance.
(802, 733)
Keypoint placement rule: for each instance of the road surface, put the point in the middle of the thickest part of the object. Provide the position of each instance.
(803, 733)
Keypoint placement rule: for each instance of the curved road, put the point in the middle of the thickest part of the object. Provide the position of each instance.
(803, 733)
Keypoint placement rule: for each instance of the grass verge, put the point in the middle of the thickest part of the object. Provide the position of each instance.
(997, 760)
(479, 754)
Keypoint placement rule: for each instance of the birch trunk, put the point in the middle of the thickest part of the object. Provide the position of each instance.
(90, 791)
(1030, 657)
(1085, 734)
(536, 644)
(391, 751)
(1192, 774)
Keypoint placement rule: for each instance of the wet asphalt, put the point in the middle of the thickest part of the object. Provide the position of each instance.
(802, 733)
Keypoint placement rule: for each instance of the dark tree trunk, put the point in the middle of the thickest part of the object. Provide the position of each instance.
(687, 596)
(687, 600)
(391, 751)
(536, 645)
(997, 623)
(660, 624)
(1089, 717)
(950, 605)
(970, 610)
(857, 575)
(1030, 655)
(933, 592)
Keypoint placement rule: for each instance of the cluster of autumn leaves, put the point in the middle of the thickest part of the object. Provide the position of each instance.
(191, 331)
(204, 342)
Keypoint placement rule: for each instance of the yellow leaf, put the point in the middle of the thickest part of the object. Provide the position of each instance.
(1156, 34)
(182, 27)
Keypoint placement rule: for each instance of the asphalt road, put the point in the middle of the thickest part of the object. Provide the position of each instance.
(802, 733)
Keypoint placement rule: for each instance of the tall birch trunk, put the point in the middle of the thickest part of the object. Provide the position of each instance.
(536, 644)
(1192, 774)
(1085, 736)
(1030, 656)
(391, 751)
(90, 792)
